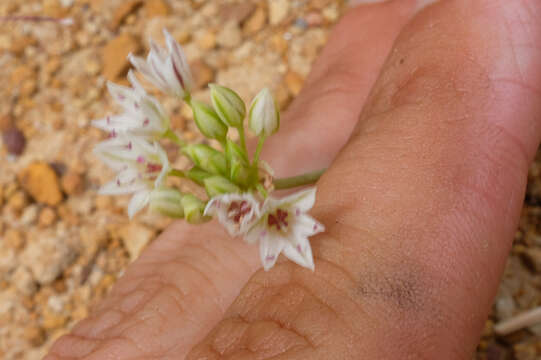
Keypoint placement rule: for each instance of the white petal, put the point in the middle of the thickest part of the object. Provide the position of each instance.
(164, 161)
(179, 60)
(124, 96)
(136, 84)
(305, 225)
(257, 232)
(112, 188)
(300, 253)
(220, 206)
(303, 200)
(137, 202)
(269, 250)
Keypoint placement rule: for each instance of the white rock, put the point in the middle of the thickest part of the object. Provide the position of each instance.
(47, 256)
(230, 36)
(278, 10)
(135, 237)
(23, 281)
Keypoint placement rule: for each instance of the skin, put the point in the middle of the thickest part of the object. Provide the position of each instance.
(429, 120)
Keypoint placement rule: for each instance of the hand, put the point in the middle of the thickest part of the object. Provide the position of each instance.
(420, 204)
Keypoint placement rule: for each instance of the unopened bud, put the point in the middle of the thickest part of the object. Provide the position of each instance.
(208, 121)
(228, 105)
(193, 209)
(240, 171)
(167, 201)
(217, 185)
(264, 114)
(198, 175)
(207, 158)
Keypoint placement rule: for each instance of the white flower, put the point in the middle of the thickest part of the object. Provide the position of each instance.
(143, 115)
(141, 167)
(167, 69)
(285, 227)
(237, 212)
(264, 116)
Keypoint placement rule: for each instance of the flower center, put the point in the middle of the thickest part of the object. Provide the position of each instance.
(238, 210)
(279, 219)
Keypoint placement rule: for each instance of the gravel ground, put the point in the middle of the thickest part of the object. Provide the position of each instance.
(62, 246)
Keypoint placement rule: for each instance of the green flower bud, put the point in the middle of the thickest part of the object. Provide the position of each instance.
(240, 171)
(167, 201)
(193, 209)
(217, 185)
(198, 175)
(264, 114)
(228, 105)
(208, 121)
(207, 158)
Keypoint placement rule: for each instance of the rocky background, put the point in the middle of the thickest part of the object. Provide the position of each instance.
(61, 245)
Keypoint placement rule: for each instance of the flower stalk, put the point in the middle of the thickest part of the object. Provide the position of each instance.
(239, 189)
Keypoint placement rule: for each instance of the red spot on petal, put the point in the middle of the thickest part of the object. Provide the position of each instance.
(146, 122)
(140, 159)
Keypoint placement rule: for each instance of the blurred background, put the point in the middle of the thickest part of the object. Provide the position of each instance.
(61, 245)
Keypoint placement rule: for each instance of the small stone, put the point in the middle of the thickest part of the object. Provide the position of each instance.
(135, 237)
(21, 43)
(17, 202)
(314, 19)
(14, 141)
(505, 307)
(255, 22)
(115, 53)
(6, 122)
(41, 181)
(125, 8)
(34, 335)
(14, 239)
(279, 43)
(237, 12)
(202, 74)
(52, 320)
(29, 215)
(47, 257)
(72, 183)
(155, 8)
(278, 10)
(331, 12)
(103, 202)
(532, 258)
(230, 36)
(525, 351)
(23, 281)
(294, 82)
(47, 217)
(206, 40)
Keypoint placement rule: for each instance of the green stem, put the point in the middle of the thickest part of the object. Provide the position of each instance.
(300, 180)
(262, 190)
(170, 134)
(177, 173)
(258, 150)
(242, 138)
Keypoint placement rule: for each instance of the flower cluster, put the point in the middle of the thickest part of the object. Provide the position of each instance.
(237, 185)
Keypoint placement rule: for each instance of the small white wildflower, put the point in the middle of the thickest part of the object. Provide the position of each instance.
(141, 167)
(284, 226)
(237, 212)
(167, 68)
(143, 115)
(264, 115)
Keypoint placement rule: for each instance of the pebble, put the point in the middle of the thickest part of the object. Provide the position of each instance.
(115, 53)
(72, 183)
(135, 238)
(14, 141)
(155, 8)
(237, 12)
(47, 217)
(125, 8)
(14, 239)
(294, 82)
(532, 257)
(47, 256)
(202, 74)
(42, 183)
(23, 281)
(35, 335)
(256, 21)
(205, 39)
(17, 201)
(278, 10)
(230, 36)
